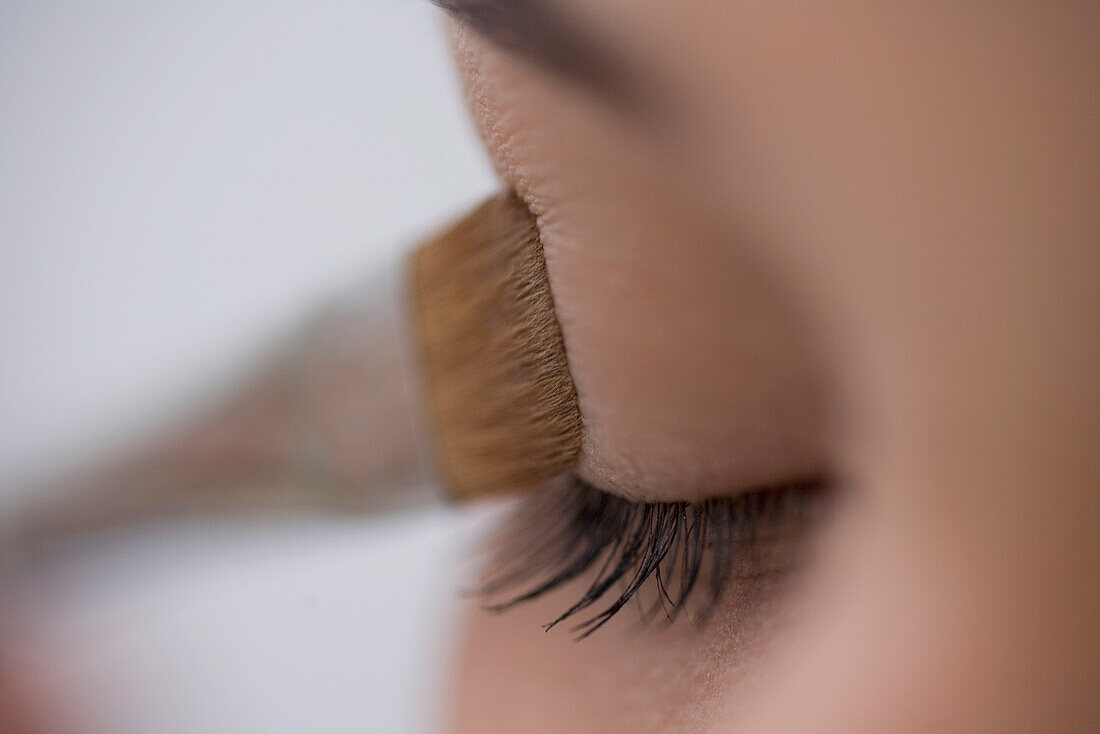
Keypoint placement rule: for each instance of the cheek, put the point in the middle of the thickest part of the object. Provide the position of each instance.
(680, 342)
(511, 676)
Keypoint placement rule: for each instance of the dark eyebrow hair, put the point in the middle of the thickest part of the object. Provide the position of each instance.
(544, 34)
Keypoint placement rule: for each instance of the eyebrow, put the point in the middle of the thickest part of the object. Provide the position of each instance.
(544, 34)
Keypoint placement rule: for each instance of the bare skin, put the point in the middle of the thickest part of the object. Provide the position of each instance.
(854, 237)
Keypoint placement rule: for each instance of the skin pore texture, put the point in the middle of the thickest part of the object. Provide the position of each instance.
(854, 236)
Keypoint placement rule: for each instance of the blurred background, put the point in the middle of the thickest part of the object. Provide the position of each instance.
(179, 182)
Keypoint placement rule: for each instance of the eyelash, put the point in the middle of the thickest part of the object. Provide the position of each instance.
(680, 545)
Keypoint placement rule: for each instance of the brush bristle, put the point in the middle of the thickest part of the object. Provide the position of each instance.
(497, 382)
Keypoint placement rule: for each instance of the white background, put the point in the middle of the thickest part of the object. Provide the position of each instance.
(179, 181)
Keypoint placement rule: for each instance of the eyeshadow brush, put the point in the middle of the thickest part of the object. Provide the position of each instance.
(445, 378)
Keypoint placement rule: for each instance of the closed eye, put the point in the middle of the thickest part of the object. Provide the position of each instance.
(682, 551)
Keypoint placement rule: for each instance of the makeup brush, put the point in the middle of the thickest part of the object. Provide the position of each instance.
(498, 388)
(446, 377)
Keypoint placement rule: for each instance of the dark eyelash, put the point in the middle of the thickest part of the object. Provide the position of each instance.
(562, 534)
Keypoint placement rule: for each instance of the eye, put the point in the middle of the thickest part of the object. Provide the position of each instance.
(681, 556)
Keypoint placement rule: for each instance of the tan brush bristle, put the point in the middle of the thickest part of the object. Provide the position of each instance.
(498, 387)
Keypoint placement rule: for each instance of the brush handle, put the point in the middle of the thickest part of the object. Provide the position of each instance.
(329, 420)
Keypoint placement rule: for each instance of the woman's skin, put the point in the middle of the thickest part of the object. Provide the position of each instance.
(859, 238)
(852, 238)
